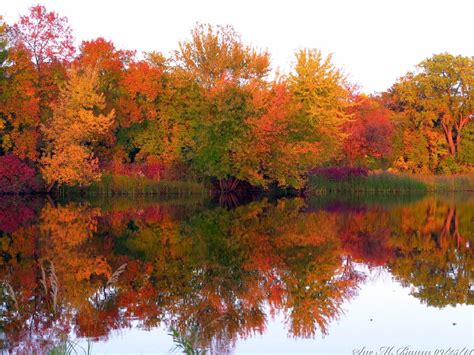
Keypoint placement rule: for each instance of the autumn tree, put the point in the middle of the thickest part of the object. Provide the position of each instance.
(245, 128)
(40, 45)
(224, 71)
(323, 96)
(46, 35)
(214, 54)
(281, 148)
(19, 104)
(439, 94)
(3, 47)
(76, 123)
(110, 63)
(145, 128)
(466, 153)
(3, 65)
(370, 133)
(47, 38)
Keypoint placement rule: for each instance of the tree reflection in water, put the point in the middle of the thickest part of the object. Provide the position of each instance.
(212, 275)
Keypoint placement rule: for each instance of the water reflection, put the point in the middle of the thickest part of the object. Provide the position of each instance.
(214, 275)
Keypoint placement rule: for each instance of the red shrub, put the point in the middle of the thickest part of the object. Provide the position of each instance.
(149, 170)
(17, 176)
(339, 173)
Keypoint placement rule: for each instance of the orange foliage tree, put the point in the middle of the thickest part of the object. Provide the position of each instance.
(75, 124)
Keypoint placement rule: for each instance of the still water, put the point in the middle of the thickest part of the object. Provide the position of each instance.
(322, 275)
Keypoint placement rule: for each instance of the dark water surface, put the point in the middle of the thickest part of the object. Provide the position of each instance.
(322, 275)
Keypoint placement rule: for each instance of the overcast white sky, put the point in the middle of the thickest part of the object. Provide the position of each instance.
(374, 41)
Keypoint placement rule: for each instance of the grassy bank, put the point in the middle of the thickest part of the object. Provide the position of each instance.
(112, 185)
(391, 183)
(130, 185)
(438, 183)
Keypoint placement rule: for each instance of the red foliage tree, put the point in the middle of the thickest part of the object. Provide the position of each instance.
(46, 35)
(142, 84)
(103, 54)
(19, 105)
(109, 61)
(47, 40)
(370, 131)
(111, 64)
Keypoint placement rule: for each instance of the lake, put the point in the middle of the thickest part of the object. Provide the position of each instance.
(327, 274)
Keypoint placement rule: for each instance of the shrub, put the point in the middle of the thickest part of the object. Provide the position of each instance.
(150, 170)
(448, 166)
(17, 176)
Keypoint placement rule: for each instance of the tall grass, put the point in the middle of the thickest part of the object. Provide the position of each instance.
(70, 347)
(186, 343)
(441, 183)
(386, 182)
(132, 185)
(374, 183)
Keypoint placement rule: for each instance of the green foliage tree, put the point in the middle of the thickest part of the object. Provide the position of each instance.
(439, 95)
(225, 73)
(466, 151)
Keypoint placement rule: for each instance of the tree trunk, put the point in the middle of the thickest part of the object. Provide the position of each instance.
(451, 145)
(50, 200)
(228, 185)
(458, 142)
(49, 188)
(234, 185)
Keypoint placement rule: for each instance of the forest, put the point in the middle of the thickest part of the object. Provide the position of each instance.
(215, 111)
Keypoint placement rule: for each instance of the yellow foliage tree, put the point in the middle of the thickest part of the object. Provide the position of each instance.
(76, 123)
(323, 96)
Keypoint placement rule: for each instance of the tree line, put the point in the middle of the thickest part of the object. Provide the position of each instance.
(213, 109)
